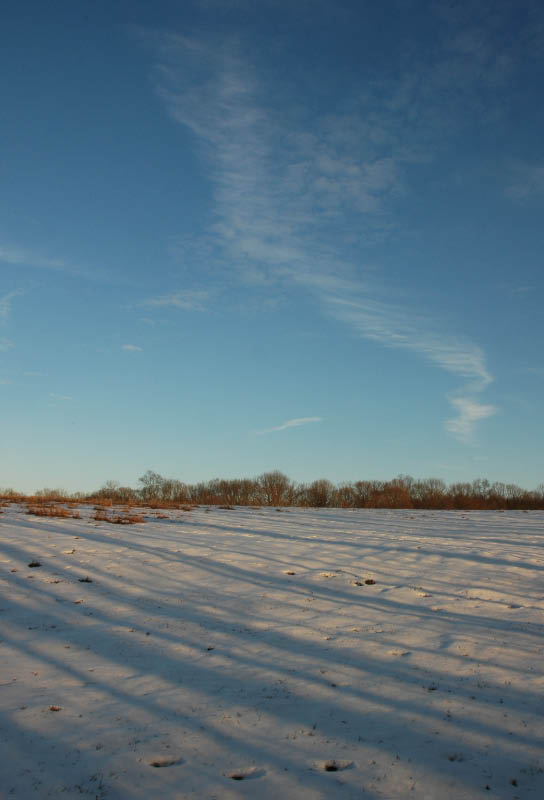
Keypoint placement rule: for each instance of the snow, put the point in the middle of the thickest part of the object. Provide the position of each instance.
(233, 654)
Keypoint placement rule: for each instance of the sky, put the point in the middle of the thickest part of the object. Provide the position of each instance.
(238, 236)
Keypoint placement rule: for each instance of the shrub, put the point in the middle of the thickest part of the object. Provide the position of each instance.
(52, 511)
(120, 519)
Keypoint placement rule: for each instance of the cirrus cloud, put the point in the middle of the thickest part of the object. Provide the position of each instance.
(292, 423)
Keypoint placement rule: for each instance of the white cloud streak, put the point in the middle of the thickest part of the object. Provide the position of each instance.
(5, 344)
(276, 206)
(398, 328)
(25, 257)
(469, 412)
(188, 300)
(526, 181)
(133, 348)
(291, 423)
(5, 303)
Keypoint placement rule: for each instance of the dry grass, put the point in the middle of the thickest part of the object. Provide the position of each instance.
(119, 519)
(53, 511)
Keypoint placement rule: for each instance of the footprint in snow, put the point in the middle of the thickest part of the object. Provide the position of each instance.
(335, 765)
(166, 761)
(245, 774)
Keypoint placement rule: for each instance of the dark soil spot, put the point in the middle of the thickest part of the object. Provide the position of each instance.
(34, 564)
(370, 582)
(85, 580)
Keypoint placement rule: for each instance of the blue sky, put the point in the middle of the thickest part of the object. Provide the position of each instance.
(242, 236)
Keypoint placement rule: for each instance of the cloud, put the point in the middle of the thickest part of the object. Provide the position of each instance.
(526, 181)
(5, 303)
(296, 214)
(400, 328)
(469, 412)
(60, 396)
(292, 423)
(5, 344)
(186, 300)
(28, 257)
(132, 347)
(25, 257)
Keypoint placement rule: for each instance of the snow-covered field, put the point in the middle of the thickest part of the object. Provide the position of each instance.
(242, 653)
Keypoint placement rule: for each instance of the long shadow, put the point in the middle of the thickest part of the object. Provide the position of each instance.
(292, 709)
(333, 594)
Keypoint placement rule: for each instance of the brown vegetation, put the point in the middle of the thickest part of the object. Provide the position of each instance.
(119, 519)
(53, 511)
(276, 489)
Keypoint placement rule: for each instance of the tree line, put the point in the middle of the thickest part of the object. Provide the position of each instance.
(276, 489)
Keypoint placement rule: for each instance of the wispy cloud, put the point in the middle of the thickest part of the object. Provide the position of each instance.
(5, 303)
(469, 412)
(186, 300)
(11, 254)
(291, 423)
(56, 396)
(526, 181)
(132, 348)
(297, 215)
(5, 344)
(400, 328)
(28, 257)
